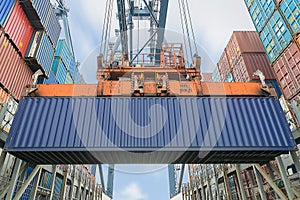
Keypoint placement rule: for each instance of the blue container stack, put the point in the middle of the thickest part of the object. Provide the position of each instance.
(260, 12)
(291, 11)
(275, 36)
(276, 22)
(46, 180)
(62, 63)
(53, 27)
(42, 47)
(59, 70)
(280, 36)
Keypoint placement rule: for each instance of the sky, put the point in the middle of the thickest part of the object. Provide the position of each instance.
(213, 22)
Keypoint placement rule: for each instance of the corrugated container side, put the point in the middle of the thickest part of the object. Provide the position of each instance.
(12, 68)
(69, 79)
(6, 7)
(243, 42)
(291, 12)
(50, 80)
(19, 29)
(63, 51)
(249, 63)
(77, 78)
(53, 27)
(45, 54)
(287, 70)
(72, 67)
(224, 66)
(275, 36)
(46, 180)
(79, 125)
(248, 42)
(261, 11)
(59, 70)
(42, 50)
(37, 11)
(58, 185)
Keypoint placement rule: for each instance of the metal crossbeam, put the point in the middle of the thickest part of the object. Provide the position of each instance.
(270, 181)
(27, 182)
(162, 25)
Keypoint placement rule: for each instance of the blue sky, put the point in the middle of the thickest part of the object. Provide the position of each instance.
(213, 22)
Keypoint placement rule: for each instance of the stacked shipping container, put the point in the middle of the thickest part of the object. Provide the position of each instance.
(279, 34)
(12, 68)
(243, 55)
(29, 33)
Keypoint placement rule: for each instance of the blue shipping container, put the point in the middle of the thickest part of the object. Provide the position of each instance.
(63, 51)
(260, 12)
(6, 7)
(92, 130)
(58, 186)
(291, 11)
(72, 67)
(276, 86)
(41, 49)
(46, 180)
(275, 36)
(249, 3)
(53, 28)
(50, 80)
(77, 75)
(37, 12)
(230, 78)
(59, 70)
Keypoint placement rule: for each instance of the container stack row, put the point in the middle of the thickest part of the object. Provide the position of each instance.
(29, 40)
(242, 57)
(64, 68)
(278, 25)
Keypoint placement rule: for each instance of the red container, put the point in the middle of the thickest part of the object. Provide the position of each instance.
(19, 29)
(223, 66)
(287, 70)
(207, 77)
(14, 73)
(247, 64)
(243, 42)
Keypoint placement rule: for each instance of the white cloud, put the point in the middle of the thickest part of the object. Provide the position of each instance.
(131, 192)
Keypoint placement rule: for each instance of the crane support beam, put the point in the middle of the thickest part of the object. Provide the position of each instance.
(162, 25)
(151, 13)
(123, 26)
(110, 181)
(208, 89)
